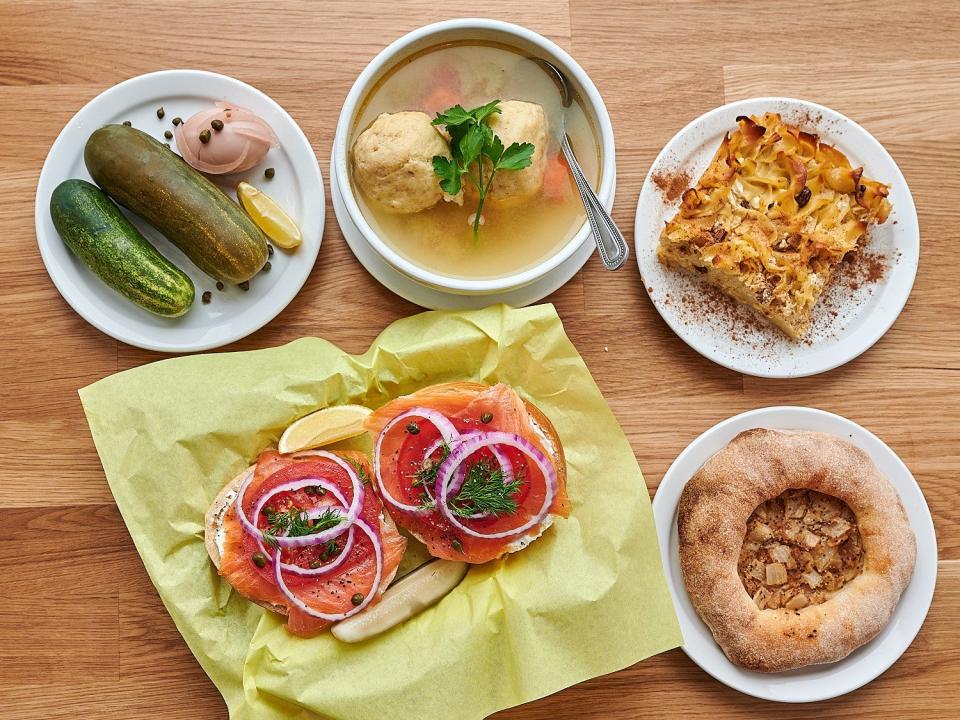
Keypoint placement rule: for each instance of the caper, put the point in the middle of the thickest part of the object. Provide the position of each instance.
(219, 285)
(128, 123)
(269, 173)
(457, 545)
(267, 266)
(413, 428)
(177, 121)
(205, 298)
(259, 559)
(168, 135)
(245, 285)
(356, 599)
(161, 112)
(486, 417)
(205, 136)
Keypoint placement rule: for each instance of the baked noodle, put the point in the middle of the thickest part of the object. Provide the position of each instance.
(772, 217)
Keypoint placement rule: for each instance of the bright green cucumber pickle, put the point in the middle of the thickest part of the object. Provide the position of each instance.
(107, 242)
(150, 179)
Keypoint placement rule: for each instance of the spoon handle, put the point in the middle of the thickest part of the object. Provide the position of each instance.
(610, 243)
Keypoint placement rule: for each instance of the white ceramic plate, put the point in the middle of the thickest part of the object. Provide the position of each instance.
(232, 313)
(436, 298)
(846, 322)
(817, 682)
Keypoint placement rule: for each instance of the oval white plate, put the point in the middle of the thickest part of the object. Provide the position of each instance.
(845, 322)
(817, 682)
(232, 313)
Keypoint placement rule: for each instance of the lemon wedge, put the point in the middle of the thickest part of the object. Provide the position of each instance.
(324, 427)
(269, 217)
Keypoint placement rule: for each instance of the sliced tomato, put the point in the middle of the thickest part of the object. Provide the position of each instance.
(402, 456)
(331, 592)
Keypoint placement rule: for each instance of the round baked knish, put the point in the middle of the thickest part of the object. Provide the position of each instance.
(819, 536)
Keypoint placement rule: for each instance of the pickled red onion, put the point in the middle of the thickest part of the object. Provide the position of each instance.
(313, 514)
(505, 466)
(306, 540)
(469, 445)
(367, 597)
(448, 434)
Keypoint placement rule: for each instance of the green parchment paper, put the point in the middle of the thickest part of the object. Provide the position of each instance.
(586, 599)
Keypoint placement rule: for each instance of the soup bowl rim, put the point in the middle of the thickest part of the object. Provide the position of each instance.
(398, 50)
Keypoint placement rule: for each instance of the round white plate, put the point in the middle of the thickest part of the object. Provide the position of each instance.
(817, 682)
(846, 322)
(433, 298)
(232, 313)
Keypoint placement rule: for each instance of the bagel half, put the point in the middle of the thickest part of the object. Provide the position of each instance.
(546, 435)
(213, 530)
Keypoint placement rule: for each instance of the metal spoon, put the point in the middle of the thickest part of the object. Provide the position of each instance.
(610, 243)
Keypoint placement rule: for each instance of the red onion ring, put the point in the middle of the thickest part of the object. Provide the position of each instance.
(436, 445)
(505, 465)
(447, 432)
(469, 445)
(335, 617)
(306, 540)
(326, 567)
(313, 514)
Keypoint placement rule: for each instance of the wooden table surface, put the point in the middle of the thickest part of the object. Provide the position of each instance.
(82, 631)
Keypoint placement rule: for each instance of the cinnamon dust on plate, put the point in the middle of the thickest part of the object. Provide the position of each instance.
(857, 274)
(672, 183)
(861, 268)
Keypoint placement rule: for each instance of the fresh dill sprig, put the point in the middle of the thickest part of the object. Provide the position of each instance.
(425, 502)
(330, 549)
(484, 491)
(361, 472)
(426, 476)
(296, 523)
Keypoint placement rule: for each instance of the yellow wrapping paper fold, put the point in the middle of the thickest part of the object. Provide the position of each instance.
(586, 599)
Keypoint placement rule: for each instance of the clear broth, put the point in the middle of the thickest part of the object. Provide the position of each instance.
(511, 239)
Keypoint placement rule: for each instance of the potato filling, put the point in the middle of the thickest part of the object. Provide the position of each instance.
(801, 547)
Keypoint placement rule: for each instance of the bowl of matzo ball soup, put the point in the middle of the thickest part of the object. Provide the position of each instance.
(447, 154)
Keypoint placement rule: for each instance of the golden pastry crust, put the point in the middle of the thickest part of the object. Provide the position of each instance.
(772, 217)
(714, 508)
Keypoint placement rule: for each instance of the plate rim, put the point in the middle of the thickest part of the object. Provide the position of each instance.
(289, 290)
(879, 329)
(667, 497)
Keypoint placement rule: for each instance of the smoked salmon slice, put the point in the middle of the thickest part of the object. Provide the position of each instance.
(247, 568)
(409, 451)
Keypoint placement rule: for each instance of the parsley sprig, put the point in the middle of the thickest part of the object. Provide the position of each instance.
(471, 142)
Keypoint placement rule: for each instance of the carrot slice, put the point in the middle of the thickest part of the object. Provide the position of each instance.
(557, 180)
(440, 99)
